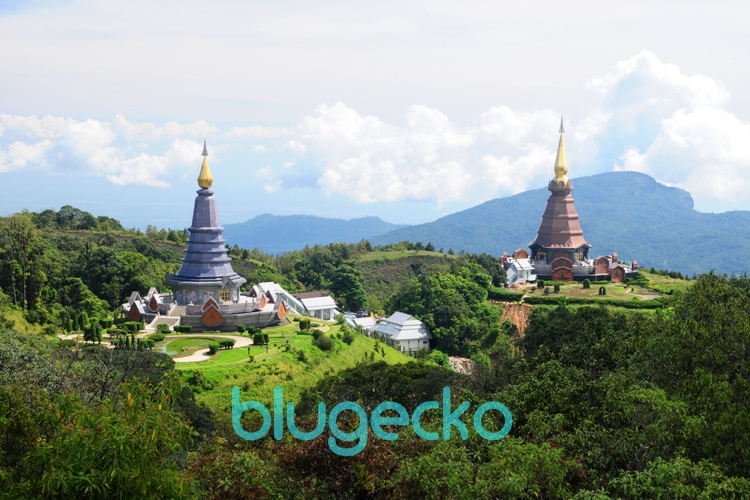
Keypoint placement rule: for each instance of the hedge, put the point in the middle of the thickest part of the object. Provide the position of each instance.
(162, 328)
(628, 304)
(226, 344)
(132, 326)
(183, 328)
(156, 337)
(502, 295)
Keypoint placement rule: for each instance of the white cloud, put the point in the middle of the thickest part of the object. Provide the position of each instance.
(704, 150)
(100, 148)
(428, 158)
(294, 146)
(651, 117)
(644, 115)
(20, 154)
(170, 130)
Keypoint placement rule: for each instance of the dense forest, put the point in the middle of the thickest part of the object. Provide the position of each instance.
(606, 402)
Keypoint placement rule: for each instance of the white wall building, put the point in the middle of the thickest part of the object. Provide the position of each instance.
(520, 271)
(403, 331)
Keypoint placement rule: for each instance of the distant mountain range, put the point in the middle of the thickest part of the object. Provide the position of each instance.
(277, 234)
(626, 212)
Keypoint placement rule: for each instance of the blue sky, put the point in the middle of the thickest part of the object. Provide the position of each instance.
(404, 110)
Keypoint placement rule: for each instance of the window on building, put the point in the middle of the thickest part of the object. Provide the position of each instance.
(541, 256)
(579, 255)
(224, 294)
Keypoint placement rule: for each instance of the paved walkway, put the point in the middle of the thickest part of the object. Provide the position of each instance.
(202, 354)
(199, 355)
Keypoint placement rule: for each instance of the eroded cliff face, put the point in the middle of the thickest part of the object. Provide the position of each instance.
(518, 314)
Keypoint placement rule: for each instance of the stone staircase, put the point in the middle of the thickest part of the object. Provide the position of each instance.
(171, 320)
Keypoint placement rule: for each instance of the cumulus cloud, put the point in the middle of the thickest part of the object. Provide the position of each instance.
(643, 115)
(654, 119)
(99, 148)
(426, 158)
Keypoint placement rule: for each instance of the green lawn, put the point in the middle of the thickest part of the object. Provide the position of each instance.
(178, 345)
(617, 291)
(258, 379)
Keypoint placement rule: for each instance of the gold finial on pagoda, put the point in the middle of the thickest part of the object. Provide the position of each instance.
(561, 164)
(205, 179)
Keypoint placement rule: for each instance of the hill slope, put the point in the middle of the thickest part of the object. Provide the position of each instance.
(283, 233)
(626, 212)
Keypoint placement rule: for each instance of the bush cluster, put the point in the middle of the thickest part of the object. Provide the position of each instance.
(132, 326)
(323, 342)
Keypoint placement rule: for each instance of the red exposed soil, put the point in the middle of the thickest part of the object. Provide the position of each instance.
(517, 313)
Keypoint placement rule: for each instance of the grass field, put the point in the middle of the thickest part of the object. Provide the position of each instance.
(181, 345)
(278, 367)
(656, 286)
(665, 284)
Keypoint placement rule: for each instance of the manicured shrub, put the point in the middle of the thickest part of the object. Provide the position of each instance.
(162, 328)
(586, 283)
(183, 328)
(213, 347)
(304, 324)
(241, 328)
(252, 330)
(540, 284)
(157, 337)
(602, 290)
(259, 339)
(265, 338)
(316, 334)
(147, 344)
(557, 288)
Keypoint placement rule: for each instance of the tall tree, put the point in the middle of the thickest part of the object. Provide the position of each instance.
(20, 236)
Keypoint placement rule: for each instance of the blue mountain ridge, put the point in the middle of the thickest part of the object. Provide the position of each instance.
(626, 212)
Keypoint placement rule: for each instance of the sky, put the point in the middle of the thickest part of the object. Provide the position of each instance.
(404, 110)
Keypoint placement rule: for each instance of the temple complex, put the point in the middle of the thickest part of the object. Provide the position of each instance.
(206, 290)
(560, 252)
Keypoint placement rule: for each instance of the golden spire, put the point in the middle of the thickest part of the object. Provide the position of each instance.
(561, 164)
(205, 180)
